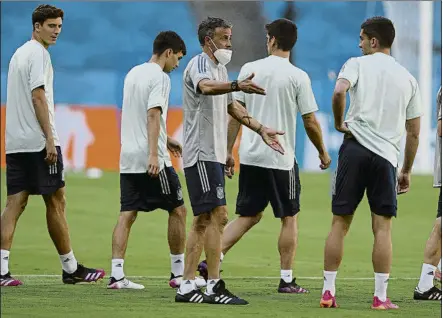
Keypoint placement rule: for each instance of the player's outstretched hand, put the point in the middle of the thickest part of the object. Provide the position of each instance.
(229, 168)
(270, 137)
(249, 87)
(174, 147)
(325, 161)
(404, 182)
(51, 152)
(153, 166)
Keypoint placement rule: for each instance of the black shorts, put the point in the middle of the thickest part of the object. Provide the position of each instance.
(360, 169)
(439, 206)
(258, 186)
(141, 192)
(206, 186)
(28, 171)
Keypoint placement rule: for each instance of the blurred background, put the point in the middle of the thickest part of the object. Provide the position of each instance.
(101, 41)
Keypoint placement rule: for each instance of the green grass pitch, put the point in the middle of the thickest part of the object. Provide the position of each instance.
(251, 269)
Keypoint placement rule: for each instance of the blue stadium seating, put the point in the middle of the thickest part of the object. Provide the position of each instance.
(101, 41)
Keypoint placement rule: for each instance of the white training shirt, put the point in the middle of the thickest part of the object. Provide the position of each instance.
(146, 86)
(30, 67)
(383, 96)
(288, 90)
(205, 117)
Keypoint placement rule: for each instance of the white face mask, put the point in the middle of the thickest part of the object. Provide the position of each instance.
(223, 56)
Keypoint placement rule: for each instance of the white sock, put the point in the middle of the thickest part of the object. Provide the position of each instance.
(117, 268)
(186, 286)
(69, 263)
(427, 277)
(381, 285)
(4, 266)
(177, 264)
(439, 265)
(329, 282)
(222, 256)
(286, 275)
(210, 286)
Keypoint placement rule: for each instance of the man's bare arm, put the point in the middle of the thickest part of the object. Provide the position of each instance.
(339, 104)
(41, 111)
(233, 129)
(212, 87)
(439, 127)
(313, 130)
(412, 141)
(269, 135)
(240, 114)
(153, 134)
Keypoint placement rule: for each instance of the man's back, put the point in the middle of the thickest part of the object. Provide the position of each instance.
(383, 96)
(146, 86)
(288, 90)
(30, 67)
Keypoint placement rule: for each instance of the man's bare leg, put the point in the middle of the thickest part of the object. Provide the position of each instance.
(177, 241)
(235, 230)
(432, 256)
(333, 253)
(15, 205)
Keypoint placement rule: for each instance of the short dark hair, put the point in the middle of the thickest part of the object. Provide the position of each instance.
(380, 28)
(207, 28)
(168, 40)
(44, 12)
(285, 33)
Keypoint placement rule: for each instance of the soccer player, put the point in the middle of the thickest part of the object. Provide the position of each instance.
(207, 100)
(264, 175)
(426, 289)
(34, 163)
(147, 179)
(385, 98)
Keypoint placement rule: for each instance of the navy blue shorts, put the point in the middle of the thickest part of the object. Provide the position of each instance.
(439, 206)
(360, 169)
(28, 171)
(258, 186)
(141, 192)
(206, 186)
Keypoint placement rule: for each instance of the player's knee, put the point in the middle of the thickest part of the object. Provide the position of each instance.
(201, 222)
(437, 226)
(289, 220)
(341, 223)
(220, 215)
(56, 202)
(16, 203)
(179, 212)
(253, 220)
(381, 225)
(127, 218)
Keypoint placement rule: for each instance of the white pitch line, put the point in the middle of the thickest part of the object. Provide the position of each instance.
(235, 277)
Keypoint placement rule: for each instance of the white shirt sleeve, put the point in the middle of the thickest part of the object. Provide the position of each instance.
(414, 108)
(305, 96)
(38, 63)
(244, 73)
(159, 91)
(349, 71)
(199, 71)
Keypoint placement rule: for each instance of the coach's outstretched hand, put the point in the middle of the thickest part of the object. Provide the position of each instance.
(174, 147)
(270, 137)
(249, 87)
